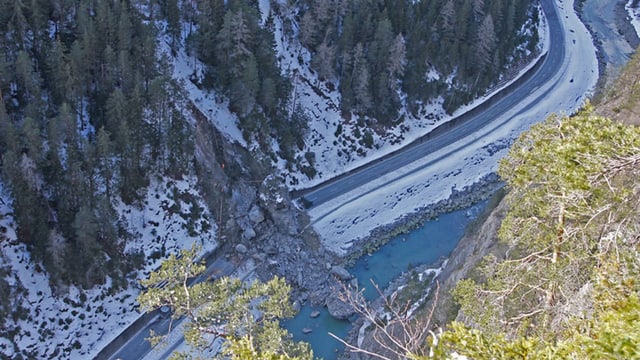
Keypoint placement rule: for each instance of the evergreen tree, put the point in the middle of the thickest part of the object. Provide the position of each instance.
(225, 308)
(570, 202)
(486, 43)
(86, 259)
(105, 160)
(361, 81)
(180, 146)
(8, 132)
(171, 12)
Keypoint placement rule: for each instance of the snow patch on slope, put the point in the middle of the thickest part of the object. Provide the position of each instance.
(634, 15)
(77, 323)
(386, 200)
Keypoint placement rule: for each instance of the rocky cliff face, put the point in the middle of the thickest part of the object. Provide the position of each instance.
(257, 218)
(480, 240)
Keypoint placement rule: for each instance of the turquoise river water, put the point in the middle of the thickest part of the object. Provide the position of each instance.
(425, 245)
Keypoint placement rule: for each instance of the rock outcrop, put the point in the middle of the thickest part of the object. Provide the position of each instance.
(338, 308)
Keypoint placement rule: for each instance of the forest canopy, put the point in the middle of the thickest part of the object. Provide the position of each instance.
(567, 287)
(89, 108)
(88, 113)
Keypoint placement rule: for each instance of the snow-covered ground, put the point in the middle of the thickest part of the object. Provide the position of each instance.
(76, 323)
(634, 15)
(387, 199)
(175, 343)
(63, 326)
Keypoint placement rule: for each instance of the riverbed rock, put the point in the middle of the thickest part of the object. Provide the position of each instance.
(341, 273)
(306, 330)
(339, 309)
(314, 314)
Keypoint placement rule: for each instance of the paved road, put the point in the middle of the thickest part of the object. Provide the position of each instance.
(136, 347)
(448, 133)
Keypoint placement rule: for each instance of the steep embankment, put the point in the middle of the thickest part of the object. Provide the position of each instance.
(619, 102)
(554, 270)
(480, 240)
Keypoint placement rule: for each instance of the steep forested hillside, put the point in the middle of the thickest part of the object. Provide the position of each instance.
(385, 54)
(382, 56)
(88, 111)
(93, 122)
(88, 114)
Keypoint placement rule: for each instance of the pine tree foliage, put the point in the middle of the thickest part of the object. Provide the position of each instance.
(568, 286)
(451, 37)
(245, 315)
(85, 112)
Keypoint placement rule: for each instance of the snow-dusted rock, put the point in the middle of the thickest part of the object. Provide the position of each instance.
(241, 249)
(256, 215)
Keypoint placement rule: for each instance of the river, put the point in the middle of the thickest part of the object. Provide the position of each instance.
(425, 245)
(437, 238)
(601, 15)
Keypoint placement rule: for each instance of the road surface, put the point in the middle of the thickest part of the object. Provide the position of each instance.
(526, 95)
(137, 346)
(456, 129)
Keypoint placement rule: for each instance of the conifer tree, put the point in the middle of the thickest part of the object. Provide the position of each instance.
(572, 195)
(224, 308)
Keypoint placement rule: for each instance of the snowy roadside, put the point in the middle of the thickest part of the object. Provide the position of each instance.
(634, 15)
(76, 323)
(175, 342)
(385, 201)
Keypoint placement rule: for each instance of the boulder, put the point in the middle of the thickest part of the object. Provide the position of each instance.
(256, 215)
(314, 314)
(339, 309)
(249, 233)
(271, 250)
(241, 249)
(296, 306)
(341, 273)
(260, 257)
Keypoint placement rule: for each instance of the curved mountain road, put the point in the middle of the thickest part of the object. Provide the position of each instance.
(455, 129)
